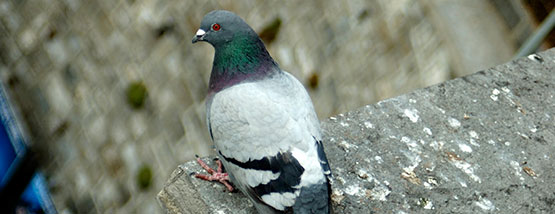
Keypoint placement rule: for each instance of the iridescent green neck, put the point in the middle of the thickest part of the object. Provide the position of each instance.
(243, 58)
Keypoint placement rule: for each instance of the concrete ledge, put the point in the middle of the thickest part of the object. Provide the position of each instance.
(477, 144)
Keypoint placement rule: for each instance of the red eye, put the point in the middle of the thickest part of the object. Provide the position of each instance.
(215, 27)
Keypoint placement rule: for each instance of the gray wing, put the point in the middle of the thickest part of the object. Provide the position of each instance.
(268, 137)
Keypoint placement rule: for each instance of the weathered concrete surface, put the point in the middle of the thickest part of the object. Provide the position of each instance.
(69, 63)
(478, 144)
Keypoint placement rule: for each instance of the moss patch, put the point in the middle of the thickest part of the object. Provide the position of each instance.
(136, 94)
(144, 177)
(269, 33)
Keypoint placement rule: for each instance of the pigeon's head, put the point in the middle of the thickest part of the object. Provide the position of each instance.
(220, 27)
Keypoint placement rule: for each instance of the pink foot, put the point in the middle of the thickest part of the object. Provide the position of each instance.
(218, 175)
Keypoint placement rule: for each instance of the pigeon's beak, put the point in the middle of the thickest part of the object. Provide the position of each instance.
(199, 36)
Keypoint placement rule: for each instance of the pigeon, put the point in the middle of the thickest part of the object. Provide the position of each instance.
(262, 122)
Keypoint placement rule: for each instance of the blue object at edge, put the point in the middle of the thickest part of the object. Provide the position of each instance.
(35, 198)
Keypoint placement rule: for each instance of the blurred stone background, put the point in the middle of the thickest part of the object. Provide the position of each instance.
(113, 91)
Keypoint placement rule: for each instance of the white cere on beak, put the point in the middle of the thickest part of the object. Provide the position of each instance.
(200, 32)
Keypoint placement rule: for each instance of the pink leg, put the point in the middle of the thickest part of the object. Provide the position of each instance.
(218, 175)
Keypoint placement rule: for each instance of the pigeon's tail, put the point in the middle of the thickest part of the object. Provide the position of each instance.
(314, 199)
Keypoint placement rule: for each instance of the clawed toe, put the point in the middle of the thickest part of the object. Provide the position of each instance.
(215, 175)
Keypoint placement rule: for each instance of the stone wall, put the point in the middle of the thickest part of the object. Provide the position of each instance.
(79, 71)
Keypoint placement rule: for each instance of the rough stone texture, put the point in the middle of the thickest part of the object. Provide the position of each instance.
(482, 143)
(68, 64)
